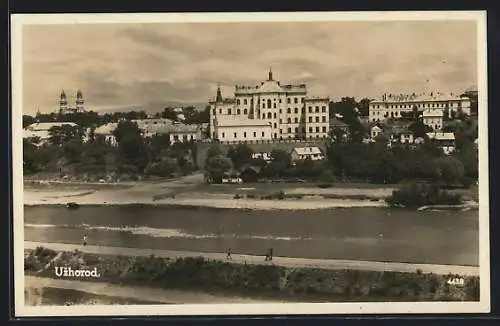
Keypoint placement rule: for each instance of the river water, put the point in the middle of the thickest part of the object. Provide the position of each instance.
(382, 234)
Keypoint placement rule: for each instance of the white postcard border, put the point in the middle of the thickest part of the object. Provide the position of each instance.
(483, 306)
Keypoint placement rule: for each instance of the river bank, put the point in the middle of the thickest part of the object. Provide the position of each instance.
(191, 192)
(272, 282)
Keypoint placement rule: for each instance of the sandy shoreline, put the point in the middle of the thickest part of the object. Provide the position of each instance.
(189, 191)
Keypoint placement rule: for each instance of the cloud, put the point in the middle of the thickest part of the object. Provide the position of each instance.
(121, 64)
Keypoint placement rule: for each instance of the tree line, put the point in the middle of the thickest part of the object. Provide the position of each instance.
(67, 151)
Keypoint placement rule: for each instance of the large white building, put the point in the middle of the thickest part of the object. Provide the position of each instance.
(41, 130)
(269, 111)
(394, 106)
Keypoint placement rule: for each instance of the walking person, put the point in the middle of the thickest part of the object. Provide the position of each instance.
(85, 240)
(228, 256)
(271, 253)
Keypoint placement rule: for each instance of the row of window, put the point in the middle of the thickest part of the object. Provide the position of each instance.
(288, 100)
(289, 110)
(296, 120)
(418, 105)
(289, 130)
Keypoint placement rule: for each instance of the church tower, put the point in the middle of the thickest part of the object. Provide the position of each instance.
(79, 101)
(218, 98)
(270, 74)
(63, 102)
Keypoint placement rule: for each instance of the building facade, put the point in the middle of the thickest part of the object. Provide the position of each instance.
(433, 118)
(395, 106)
(270, 111)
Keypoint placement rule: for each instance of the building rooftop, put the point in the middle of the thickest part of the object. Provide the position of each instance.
(432, 97)
(307, 150)
(441, 135)
(44, 126)
(106, 129)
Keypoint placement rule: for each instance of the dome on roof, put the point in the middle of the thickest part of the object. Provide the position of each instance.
(270, 86)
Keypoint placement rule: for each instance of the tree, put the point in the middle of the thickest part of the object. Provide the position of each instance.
(337, 134)
(132, 148)
(217, 166)
(59, 135)
(451, 170)
(240, 155)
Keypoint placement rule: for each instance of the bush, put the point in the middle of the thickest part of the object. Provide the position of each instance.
(417, 195)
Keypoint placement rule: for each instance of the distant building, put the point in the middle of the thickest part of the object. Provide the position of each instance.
(65, 108)
(269, 110)
(433, 118)
(262, 155)
(395, 106)
(106, 131)
(375, 131)
(443, 140)
(177, 131)
(40, 130)
(302, 153)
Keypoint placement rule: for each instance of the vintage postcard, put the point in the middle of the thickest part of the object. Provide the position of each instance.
(250, 163)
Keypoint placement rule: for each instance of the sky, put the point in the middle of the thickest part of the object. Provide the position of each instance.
(128, 64)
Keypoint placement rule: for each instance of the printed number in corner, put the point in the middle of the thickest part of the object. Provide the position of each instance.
(457, 281)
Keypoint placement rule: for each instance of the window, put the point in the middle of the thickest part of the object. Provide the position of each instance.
(323, 109)
(323, 119)
(317, 129)
(303, 110)
(296, 130)
(324, 129)
(220, 111)
(296, 120)
(289, 130)
(245, 111)
(263, 105)
(281, 111)
(213, 111)
(281, 131)
(310, 129)
(288, 110)
(280, 100)
(310, 119)
(274, 105)
(269, 115)
(263, 116)
(238, 102)
(228, 111)
(275, 115)
(262, 134)
(268, 104)
(310, 109)
(288, 100)
(235, 135)
(317, 119)
(302, 100)
(275, 125)
(223, 135)
(238, 111)
(244, 134)
(295, 100)
(296, 110)
(317, 109)
(289, 120)
(245, 101)
(254, 134)
(280, 121)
